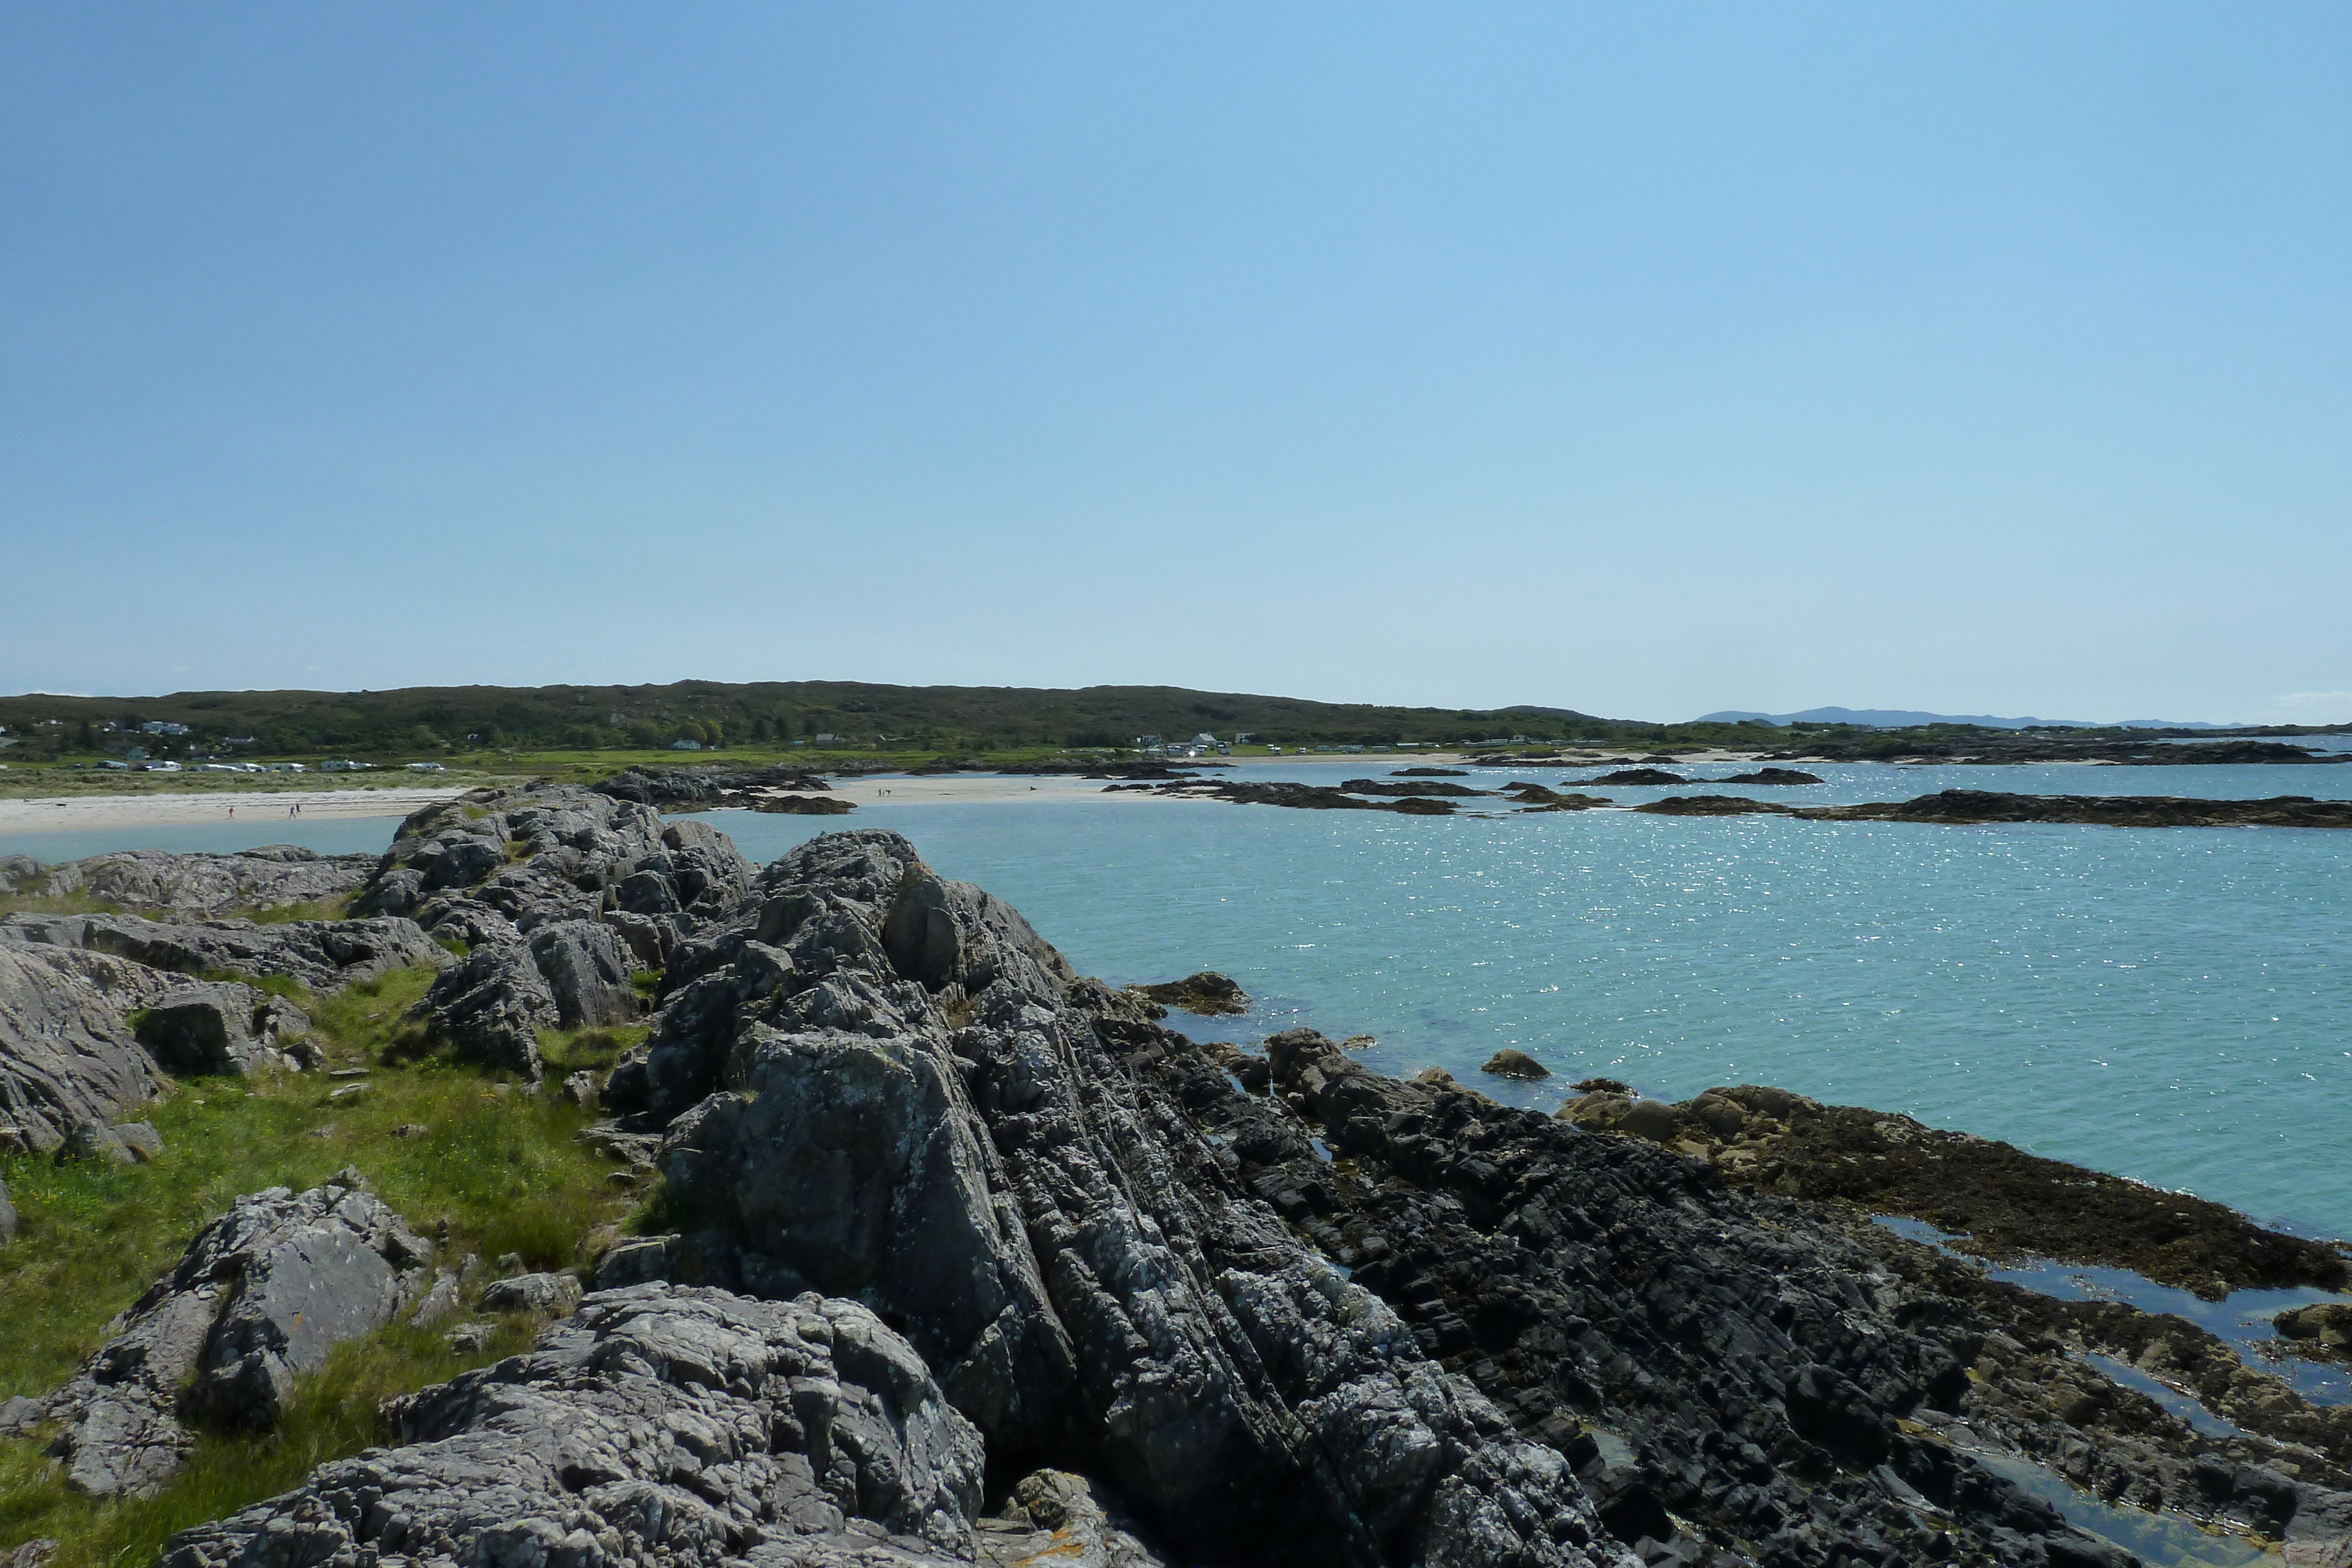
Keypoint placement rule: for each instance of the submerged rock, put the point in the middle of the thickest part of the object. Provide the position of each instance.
(261, 1296)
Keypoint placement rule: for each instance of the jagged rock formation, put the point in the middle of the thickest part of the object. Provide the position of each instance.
(222, 1027)
(66, 1055)
(706, 788)
(263, 1293)
(563, 894)
(495, 864)
(1259, 1308)
(658, 1425)
(271, 877)
(323, 955)
(967, 1153)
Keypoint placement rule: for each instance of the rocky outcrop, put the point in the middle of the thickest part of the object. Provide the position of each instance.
(8, 1217)
(1419, 789)
(1532, 797)
(490, 1005)
(802, 805)
(323, 955)
(564, 894)
(1631, 775)
(991, 1155)
(682, 1426)
(2009, 1203)
(1207, 993)
(1975, 806)
(706, 789)
(221, 1027)
(1770, 776)
(261, 1296)
(495, 864)
(66, 1055)
(271, 877)
(1714, 806)
(1299, 797)
(1511, 1063)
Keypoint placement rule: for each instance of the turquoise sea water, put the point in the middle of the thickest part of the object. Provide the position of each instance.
(2173, 1005)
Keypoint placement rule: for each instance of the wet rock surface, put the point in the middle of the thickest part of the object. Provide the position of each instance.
(262, 1294)
(1412, 790)
(657, 1425)
(1207, 993)
(2009, 1203)
(1631, 776)
(1973, 805)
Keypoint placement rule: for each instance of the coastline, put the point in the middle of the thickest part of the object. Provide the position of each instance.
(56, 814)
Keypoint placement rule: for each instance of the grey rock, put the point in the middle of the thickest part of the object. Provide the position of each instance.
(261, 1296)
(491, 1004)
(581, 1087)
(31, 1554)
(1073, 1258)
(323, 955)
(207, 885)
(8, 1217)
(67, 1057)
(18, 1413)
(439, 1301)
(553, 1293)
(540, 854)
(658, 1425)
(587, 970)
(127, 1144)
(22, 873)
(221, 1028)
(1066, 1520)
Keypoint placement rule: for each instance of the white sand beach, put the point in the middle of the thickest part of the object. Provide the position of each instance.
(67, 813)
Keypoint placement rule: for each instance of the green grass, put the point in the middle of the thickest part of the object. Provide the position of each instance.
(471, 1161)
(334, 1413)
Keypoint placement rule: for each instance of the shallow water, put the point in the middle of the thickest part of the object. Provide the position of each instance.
(2169, 1004)
(2166, 1004)
(2243, 1320)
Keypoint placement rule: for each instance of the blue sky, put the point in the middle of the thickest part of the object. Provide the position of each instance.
(1641, 360)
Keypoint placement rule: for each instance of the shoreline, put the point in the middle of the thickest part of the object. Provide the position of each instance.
(74, 813)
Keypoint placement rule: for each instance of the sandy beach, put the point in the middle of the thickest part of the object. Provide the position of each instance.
(67, 813)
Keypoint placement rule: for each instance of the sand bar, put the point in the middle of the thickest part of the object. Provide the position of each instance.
(53, 814)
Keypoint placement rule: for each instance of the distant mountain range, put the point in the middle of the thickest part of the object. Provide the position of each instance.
(1904, 718)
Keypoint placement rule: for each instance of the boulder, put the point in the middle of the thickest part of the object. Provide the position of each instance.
(683, 1427)
(67, 1057)
(220, 1027)
(491, 1004)
(587, 970)
(2328, 1323)
(555, 1294)
(1064, 1519)
(1207, 993)
(261, 1296)
(8, 1217)
(124, 1143)
(21, 874)
(1510, 1063)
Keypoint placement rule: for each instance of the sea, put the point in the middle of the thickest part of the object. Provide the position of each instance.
(2171, 1005)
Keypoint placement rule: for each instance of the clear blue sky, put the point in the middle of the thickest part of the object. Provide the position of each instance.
(1645, 360)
